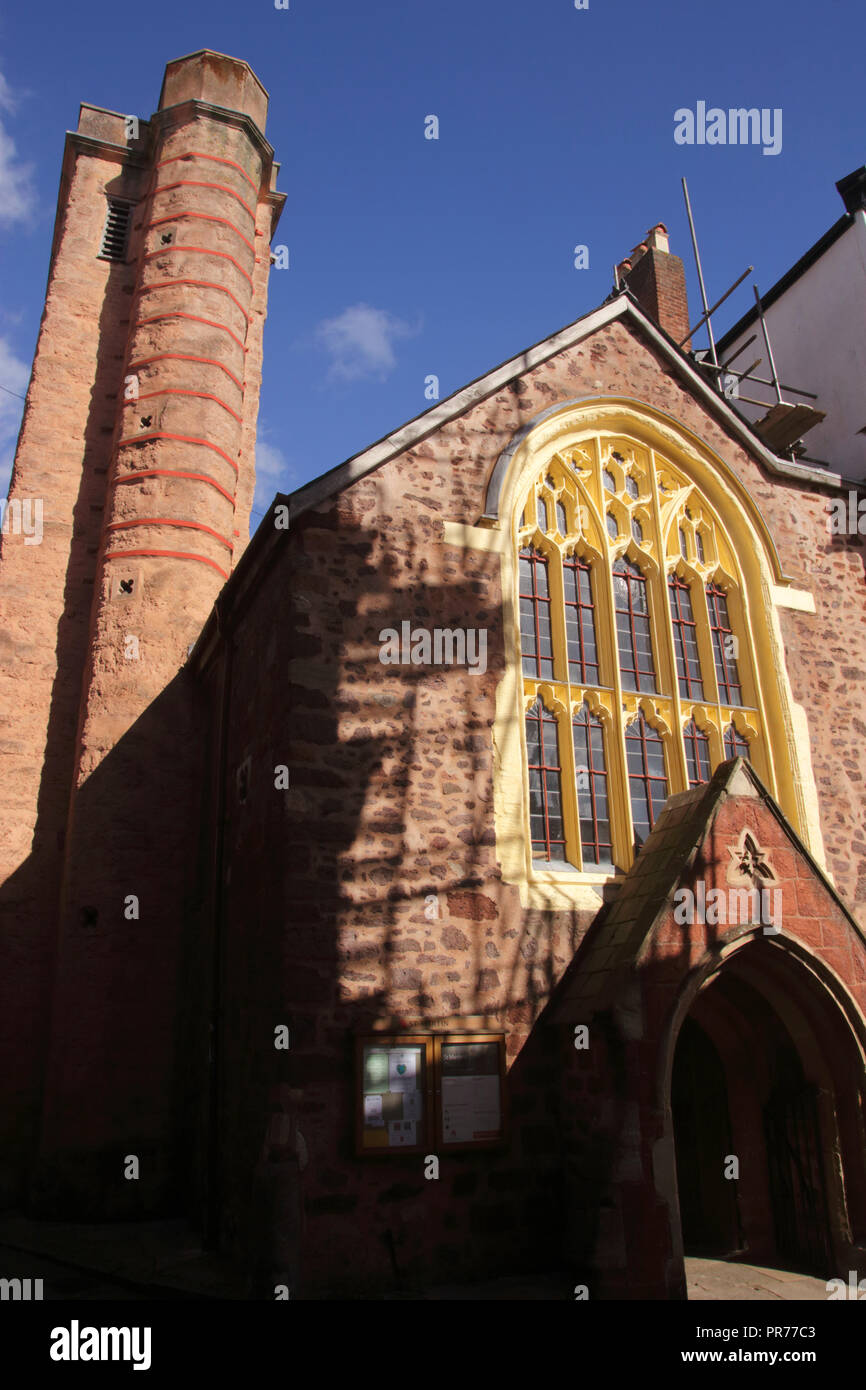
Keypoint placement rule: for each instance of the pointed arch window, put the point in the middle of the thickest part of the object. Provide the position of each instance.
(633, 631)
(579, 622)
(685, 639)
(724, 646)
(545, 783)
(736, 746)
(536, 637)
(621, 705)
(647, 776)
(697, 745)
(592, 796)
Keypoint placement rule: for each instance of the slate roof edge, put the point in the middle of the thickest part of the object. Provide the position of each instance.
(713, 793)
(622, 306)
(656, 907)
(328, 484)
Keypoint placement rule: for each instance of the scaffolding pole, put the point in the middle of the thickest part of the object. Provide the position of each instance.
(700, 274)
(773, 373)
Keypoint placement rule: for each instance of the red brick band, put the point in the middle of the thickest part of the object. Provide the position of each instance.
(185, 357)
(216, 159)
(202, 284)
(202, 217)
(169, 555)
(200, 251)
(174, 473)
(182, 438)
(170, 521)
(197, 183)
(178, 314)
(181, 391)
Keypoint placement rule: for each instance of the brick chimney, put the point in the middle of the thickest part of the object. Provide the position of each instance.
(657, 279)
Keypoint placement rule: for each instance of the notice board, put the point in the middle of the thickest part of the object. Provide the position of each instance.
(395, 1108)
(470, 1075)
(424, 1092)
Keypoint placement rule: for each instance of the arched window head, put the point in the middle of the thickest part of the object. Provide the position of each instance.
(697, 745)
(685, 639)
(536, 637)
(545, 783)
(736, 746)
(725, 647)
(580, 640)
(592, 795)
(647, 776)
(633, 629)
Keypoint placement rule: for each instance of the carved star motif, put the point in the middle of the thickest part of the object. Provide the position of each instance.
(749, 862)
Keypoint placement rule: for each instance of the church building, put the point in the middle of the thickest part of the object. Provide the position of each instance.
(466, 874)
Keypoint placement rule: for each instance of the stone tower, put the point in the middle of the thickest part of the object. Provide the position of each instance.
(138, 445)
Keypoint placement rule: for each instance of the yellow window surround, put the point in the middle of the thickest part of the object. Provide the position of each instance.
(611, 458)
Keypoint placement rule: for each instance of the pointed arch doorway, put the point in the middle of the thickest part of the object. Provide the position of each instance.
(766, 1106)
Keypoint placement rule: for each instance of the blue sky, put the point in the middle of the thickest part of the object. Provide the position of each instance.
(411, 257)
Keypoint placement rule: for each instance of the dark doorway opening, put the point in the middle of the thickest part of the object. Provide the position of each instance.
(752, 1127)
(702, 1129)
(797, 1187)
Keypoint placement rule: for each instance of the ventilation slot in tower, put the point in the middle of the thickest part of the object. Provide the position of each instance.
(116, 233)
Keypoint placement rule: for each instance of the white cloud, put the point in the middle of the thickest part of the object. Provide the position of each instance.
(274, 473)
(14, 375)
(7, 100)
(17, 196)
(361, 342)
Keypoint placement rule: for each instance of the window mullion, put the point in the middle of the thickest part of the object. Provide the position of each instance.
(633, 633)
(678, 774)
(702, 617)
(558, 640)
(569, 788)
(562, 673)
(619, 803)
